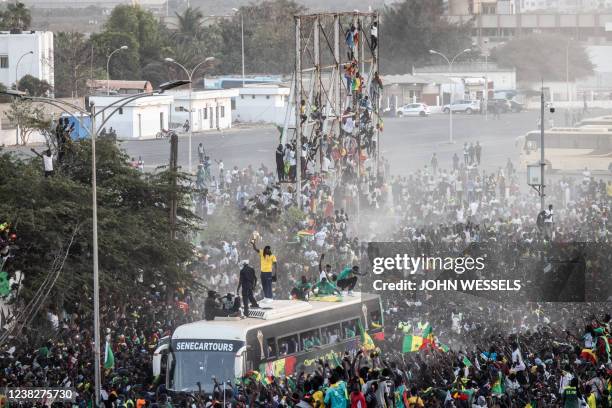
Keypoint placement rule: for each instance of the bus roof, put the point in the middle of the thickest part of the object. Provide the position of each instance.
(237, 329)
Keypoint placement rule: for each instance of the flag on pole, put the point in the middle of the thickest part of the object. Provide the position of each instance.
(109, 357)
(366, 340)
(424, 329)
(412, 343)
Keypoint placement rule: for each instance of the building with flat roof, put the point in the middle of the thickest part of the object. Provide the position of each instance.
(26, 53)
(265, 103)
(210, 109)
(139, 119)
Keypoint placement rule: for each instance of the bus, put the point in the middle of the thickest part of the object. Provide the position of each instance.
(601, 121)
(569, 149)
(289, 337)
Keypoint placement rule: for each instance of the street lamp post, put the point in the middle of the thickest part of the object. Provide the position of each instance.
(450, 106)
(241, 40)
(17, 68)
(66, 107)
(123, 47)
(190, 78)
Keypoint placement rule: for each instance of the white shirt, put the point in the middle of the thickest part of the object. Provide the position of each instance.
(48, 162)
(374, 31)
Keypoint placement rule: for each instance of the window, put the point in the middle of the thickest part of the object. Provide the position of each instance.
(309, 340)
(270, 343)
(241, 96)
(288, 345)
(205, 113)
(375, 319)
(222, 111)
(267, 96)
(331, 334)
(252, 96)
(120, 111)
(350, 329)
(4, 63)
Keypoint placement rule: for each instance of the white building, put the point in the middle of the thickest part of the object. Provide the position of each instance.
(262, 103)
(141, 118)
(15, 49)
(209, 109)
(502, 78)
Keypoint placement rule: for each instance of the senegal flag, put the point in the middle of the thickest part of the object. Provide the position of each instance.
(366, 340)
(426, 329)
(109, 357)
(412, 343)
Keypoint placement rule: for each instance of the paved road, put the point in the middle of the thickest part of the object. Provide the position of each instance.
(407, 143)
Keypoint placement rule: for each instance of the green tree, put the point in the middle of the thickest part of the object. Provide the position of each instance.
(409, 29)
(28, 117)
(72, 56)
(16, 17)
(132, 219)
(34, 86)
(189, 25)
(543, 56)
(143, 27)
(268, 35)
(124, 64)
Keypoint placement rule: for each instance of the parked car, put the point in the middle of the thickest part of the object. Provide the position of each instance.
(516, 106)
(465, 106)
(501, 105)
(413, 109)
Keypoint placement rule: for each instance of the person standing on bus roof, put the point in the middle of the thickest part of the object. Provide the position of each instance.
(267, 267)
(247, 282)
(324, 273)
(347, 279)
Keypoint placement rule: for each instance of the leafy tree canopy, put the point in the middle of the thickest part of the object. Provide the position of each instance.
(134, 231)
(543, 56)
(411, 28)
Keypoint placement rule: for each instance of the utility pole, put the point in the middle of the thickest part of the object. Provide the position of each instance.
(96, 283)
(173, 173)
(298, 105)
(542, 163)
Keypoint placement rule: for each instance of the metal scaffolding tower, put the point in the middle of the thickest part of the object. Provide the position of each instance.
(335, 77)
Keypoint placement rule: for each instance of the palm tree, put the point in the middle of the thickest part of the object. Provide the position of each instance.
(190, 24)
(16, 17)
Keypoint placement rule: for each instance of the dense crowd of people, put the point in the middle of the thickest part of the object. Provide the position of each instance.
(483, 351)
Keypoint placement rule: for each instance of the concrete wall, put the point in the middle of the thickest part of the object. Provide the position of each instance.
(142, 118)
(210, 109)
(261, 108)
(39, 64)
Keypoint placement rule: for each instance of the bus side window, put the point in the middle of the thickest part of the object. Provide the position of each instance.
(270, 348)
(309, 339)
(349, 329)
(375, 319)
(331, 334)
(288, 345)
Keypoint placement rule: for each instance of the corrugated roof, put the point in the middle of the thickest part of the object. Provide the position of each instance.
(118, 84)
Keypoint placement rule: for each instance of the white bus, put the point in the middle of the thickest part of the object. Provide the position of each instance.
(288, 338)
(569, 149)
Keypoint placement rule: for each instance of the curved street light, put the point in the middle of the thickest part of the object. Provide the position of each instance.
(17, 68)
(123, 47)
(450, 106)
(190, 75)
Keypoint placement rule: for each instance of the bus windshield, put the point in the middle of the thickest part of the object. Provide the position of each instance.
(202, 361)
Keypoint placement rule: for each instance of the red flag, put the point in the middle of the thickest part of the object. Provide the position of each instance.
(184, 307)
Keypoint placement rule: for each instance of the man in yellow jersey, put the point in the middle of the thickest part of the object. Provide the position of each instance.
(268, 270)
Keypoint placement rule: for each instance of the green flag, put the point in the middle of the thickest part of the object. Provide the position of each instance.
(412, 343)
(467, 362)
(109, 357)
